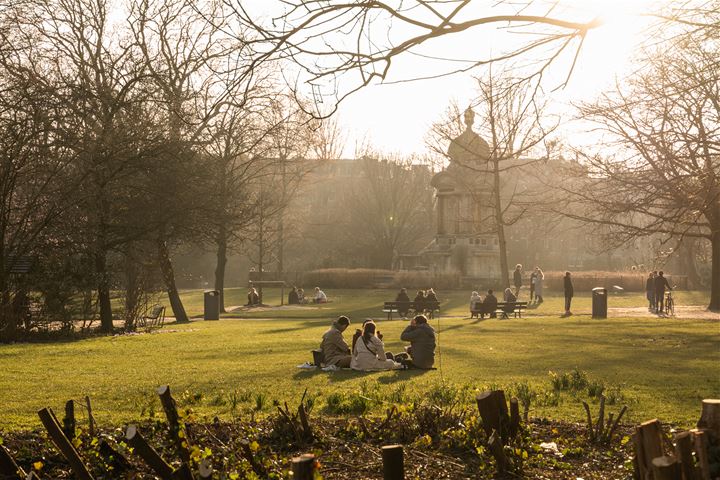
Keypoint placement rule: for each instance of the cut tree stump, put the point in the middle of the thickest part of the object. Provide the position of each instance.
(63, 444)
(684, 454)
(148, 453)
(710, 416)
(648, 445)
(701, 450)
(303, 467)
(494, 413)
(8, 468)
(178, 432)
(393, 467)
(666, 468)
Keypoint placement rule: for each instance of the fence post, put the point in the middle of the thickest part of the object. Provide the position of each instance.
(303, 467)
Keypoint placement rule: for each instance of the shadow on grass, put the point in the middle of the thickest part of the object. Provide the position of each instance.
(388, 377)
(462, 325)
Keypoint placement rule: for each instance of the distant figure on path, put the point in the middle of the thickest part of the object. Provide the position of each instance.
(293, 296)
(402, 296)
(569, 293)
(517, 279)
(333, 346)
(369, 353)
(490, 304)
(320, 296)
(539, 277)
(661, 284)
(475, 300)
(650, 291)
(533, 279)
(422, 342)
(253, 297)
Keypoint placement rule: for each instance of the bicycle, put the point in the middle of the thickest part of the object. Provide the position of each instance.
(669, 304)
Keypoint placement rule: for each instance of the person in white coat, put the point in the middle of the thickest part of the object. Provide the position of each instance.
(369, 353)
(539, 286)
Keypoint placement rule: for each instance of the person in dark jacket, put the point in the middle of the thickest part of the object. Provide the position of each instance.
(402, 296)
(517, 279)
(293, 297)
(489, 305)
(533, 278)
(650, 291)
(431, 300)
(419, 302)
(422, 343)
(661, 284)
(569, 293)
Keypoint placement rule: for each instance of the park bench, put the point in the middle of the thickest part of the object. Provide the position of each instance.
(503, 308)
(421, 307)
(154, 319)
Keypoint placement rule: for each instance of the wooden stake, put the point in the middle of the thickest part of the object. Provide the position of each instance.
(8, 468)
(307, 431)
(69, 420)
(303, 467)
(148, 453)
(648, 445)
(91, 419)
(591, 431)
(393, 468)
(683, 452)
(710, 417)
(514, 417)
(666, 468)
(63, 444)
(701, 450)
(615, 424)
(177, 430)
(496, 448)
(494, 413)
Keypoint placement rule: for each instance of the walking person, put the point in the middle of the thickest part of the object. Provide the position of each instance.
(539, 286)
(650, 291)
(533, 279)
(569, 293)
(517, 279)
(661, 284)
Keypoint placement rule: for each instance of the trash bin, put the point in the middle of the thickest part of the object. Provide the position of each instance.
(212, 305)
(599, 302)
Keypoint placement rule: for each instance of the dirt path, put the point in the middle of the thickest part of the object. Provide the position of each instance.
(681, 311)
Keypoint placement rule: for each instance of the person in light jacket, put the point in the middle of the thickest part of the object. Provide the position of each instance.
(369, 353)
(422, 342)
(475, 300)
(539, 286)
(333, 346)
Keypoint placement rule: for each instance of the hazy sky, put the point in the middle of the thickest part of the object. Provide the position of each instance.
(395, 118)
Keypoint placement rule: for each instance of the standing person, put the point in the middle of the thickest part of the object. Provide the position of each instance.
(539, 286)
(650, 291)
(293, 296)
(661, 284)
(333, 346)
(422, 342)
(569, 293)
(402, 296)
(369, 353)
(517, 279)
(533, 279)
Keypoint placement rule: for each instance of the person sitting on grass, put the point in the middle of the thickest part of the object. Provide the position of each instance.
(402, 296)
(422, 343)
(335, 351)
(489, 305)
(369, 353)
(253, 298)
(320, 296)
(301, 296)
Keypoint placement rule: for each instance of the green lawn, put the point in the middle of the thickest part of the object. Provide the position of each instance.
(659, 367)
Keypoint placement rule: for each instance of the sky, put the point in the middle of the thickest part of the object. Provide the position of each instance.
(395, 117)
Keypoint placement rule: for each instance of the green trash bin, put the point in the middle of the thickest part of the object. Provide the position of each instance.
(212, 305)
(599, 302)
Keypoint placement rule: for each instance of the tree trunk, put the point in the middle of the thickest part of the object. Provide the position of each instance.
(103, 290)
(169, 277)
(687, 254)
(220, 266)
(715, 273)
(500, 225)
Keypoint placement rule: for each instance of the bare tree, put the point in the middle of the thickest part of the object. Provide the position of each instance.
(662, 176)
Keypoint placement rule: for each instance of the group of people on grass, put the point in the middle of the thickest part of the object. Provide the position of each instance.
(537, 278)
(655, 291)
(424, 300)
(367, 352)
(297, 296)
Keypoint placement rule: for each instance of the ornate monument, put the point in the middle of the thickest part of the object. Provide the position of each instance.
(465, 239)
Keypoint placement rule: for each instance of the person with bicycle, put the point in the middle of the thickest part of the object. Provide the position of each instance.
(661, 284)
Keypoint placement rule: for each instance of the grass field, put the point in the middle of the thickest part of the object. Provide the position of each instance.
(660, 367)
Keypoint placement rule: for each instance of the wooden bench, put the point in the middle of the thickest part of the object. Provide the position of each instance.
(155, 319)
(396, 307)
(503, 308)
